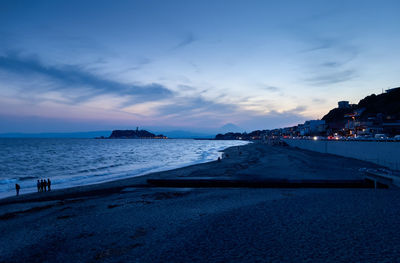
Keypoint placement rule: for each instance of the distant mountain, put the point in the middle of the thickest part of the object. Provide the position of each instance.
(230, 127)
(83, 135)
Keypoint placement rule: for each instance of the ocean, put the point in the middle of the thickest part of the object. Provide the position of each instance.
(76, 162)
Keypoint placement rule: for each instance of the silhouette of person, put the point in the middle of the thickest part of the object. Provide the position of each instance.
(17, 187)
(41, 185)
(45, 185)
(38, 185)
(48, 184)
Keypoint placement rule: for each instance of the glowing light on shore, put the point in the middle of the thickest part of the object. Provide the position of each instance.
(315, 138)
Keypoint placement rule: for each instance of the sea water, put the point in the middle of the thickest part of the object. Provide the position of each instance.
(75, 162)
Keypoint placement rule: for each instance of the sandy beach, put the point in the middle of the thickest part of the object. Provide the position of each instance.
(131, 221)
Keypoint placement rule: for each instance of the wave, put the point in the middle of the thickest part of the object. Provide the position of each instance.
(81, 162)
(91, 170)
(24, 178)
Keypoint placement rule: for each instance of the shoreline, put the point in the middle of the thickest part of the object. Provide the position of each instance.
(102, 187)
(123, 176)
(130, 221)
(240, 157)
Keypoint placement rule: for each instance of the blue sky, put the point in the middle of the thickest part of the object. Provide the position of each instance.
(194, 65)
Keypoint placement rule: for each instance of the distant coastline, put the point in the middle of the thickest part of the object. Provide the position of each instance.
(172, 134)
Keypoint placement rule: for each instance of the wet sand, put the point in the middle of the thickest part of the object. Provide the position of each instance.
(129, 221)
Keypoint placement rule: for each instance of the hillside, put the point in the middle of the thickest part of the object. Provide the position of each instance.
(387, 104)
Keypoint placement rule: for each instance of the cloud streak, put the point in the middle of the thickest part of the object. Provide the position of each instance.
(270, 88)
(332, 78)
(196, 106)
(75, 78)
(320, 44)
(187, 40)
(330, 61)
(275, 119)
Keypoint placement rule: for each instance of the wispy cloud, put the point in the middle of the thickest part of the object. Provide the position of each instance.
(319, 100)
(190, 106)
(318, 44)
(76, 78)
(329, 61)
(331, 64)
(186, 88)
(139, 64)
(333, 78)
(270, 88)
(275, 119)
(188, 39)
(298, 110)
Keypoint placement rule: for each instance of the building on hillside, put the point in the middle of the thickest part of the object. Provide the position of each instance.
(344, 104)
(392, 90)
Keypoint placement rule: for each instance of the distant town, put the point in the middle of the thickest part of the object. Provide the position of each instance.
(376, 117)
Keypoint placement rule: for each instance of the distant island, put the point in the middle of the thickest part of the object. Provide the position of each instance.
(133, 134)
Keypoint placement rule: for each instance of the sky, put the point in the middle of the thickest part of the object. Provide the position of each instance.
(68, 66)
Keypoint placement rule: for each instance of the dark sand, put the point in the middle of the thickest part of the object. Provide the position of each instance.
(127, 221)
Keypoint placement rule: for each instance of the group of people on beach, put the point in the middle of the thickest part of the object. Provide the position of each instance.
(43, 185)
